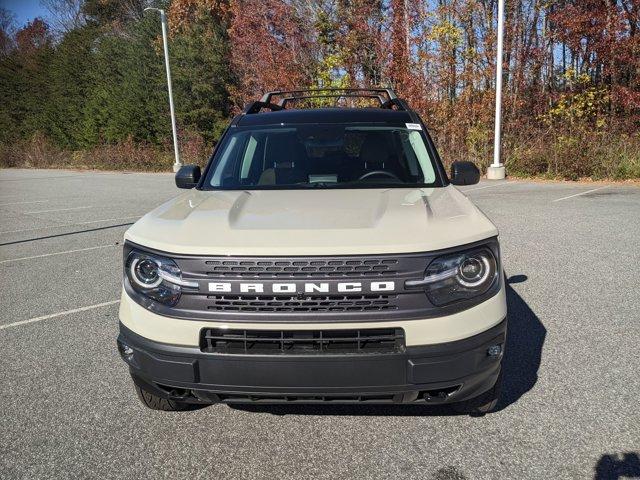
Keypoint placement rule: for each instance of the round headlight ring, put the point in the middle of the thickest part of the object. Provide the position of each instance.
(144, 271)
(474, 270)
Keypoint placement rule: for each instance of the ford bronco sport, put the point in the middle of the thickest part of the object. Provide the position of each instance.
(323, 255)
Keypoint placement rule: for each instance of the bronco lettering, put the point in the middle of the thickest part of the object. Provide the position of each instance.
(340, 287)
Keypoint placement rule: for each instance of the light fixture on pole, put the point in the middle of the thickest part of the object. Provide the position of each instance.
(496, 170)
(163, 21)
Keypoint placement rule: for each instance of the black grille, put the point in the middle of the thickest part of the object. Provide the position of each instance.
(317, 342)
(333, 303)
(312, 268)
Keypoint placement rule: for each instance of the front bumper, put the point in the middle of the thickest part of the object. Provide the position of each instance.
(439, 373)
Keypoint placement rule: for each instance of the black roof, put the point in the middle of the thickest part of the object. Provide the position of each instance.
(326, 115)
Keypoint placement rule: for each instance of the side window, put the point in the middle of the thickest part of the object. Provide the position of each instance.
(248, 158)
(227, 161)
(423, 156)
(409, 155)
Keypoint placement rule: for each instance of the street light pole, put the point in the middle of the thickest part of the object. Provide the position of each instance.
(163, 21)
(497, 171)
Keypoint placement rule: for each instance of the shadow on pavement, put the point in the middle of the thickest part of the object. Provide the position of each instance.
(525, 338)
(614, 467)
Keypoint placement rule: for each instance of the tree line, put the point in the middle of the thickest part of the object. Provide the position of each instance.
(89, 87)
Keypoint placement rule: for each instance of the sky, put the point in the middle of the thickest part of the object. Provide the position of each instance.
(24, 10)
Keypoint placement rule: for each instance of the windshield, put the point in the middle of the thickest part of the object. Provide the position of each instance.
(322, 156)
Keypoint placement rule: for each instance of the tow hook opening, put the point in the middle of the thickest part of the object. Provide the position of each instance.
(175, 392)
(439, 394)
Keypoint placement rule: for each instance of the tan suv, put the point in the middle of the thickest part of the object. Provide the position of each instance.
(323, 255)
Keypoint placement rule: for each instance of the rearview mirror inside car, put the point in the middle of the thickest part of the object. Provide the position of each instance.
(188, 176)
(464, 173)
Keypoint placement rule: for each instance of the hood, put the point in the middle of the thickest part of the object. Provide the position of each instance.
(312, 222)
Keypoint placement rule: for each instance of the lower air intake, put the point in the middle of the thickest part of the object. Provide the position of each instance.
(300, 342)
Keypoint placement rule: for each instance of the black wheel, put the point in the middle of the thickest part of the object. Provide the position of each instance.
(482, 404)
(154, 402)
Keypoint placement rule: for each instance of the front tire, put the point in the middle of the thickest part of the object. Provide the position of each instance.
(154, 402)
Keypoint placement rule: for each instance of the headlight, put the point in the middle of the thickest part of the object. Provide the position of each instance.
(144, 272)
(458, 276)
(155, 277)
(474, 270)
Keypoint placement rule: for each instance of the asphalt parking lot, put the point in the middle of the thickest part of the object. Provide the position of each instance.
(570, 407)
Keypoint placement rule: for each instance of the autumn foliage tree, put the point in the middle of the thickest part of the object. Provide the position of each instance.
(271, 47)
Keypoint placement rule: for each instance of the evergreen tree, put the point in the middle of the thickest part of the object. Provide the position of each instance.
(199, 59)
(128, 96)
(24, 83)
(70, 86)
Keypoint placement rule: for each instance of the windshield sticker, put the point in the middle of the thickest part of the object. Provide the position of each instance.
(414, 126)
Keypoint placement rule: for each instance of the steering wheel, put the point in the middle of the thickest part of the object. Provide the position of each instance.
(379, 172)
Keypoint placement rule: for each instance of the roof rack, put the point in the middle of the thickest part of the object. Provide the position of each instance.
(289, 96)
(337, 96)
(266, 98)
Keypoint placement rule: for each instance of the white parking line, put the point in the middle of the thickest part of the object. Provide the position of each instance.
(22, 203)
(71, 224)
(60, 209)
(58, 253)
(581, 193)
(59, 314)
(487, 186)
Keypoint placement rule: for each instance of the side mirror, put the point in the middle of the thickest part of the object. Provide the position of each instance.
(188, 176)
(464, 173)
